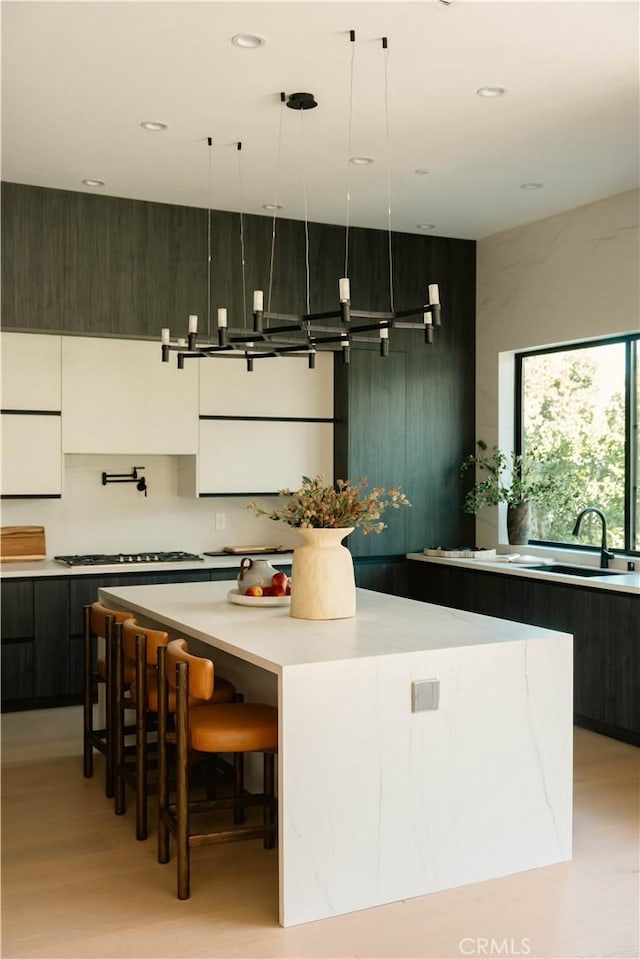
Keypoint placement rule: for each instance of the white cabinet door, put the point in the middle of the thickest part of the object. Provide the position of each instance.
(244, 456)
(118, 397)
(31, 455)
(30, 371)
(284, 386)
(269, 440)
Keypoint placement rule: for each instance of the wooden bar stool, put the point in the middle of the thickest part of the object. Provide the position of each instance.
(98, 623)
(201, 728)
(136, 672)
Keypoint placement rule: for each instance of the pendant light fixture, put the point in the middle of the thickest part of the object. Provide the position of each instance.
(297, 334)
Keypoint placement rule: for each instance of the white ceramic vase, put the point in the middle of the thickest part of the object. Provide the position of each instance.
(323, 585)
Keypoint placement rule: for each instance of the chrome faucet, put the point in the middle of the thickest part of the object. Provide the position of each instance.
(605, 552)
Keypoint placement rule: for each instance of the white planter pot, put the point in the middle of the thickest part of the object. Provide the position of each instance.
(322, 581)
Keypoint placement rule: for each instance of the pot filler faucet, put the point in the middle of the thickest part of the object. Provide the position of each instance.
(605, 552)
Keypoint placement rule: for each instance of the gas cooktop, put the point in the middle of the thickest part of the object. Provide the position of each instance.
(116, 559)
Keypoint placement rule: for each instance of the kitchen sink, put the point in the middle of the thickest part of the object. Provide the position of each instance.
(577, 570)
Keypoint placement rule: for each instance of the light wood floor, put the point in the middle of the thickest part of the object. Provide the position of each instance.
(76, 884)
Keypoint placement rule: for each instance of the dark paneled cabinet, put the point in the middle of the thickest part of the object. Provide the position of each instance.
(17, 639)
(605, 627)
(114, 266)
(42, 632)
(35, 640)
(383, 574)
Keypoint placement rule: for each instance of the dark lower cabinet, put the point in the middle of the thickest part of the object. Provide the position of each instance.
(17, 640)
(605, 626)
(383, 574)
(42, 632)
(51, 647)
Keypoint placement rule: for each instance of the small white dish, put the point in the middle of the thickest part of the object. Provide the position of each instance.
(235, 596)
(528, 560)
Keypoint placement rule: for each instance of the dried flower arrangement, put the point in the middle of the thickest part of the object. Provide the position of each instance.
(318, 505)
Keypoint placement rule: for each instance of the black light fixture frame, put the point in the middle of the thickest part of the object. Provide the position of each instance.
(257, 344)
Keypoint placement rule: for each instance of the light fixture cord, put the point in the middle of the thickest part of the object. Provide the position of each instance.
(242, 255)
(385, 47)
(275, 203)
(306, 214)
(209, 204)
(352, 37)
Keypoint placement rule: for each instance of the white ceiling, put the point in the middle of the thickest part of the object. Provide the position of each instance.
(79, 78)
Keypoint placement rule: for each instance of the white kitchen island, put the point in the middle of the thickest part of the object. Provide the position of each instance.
(378, 803)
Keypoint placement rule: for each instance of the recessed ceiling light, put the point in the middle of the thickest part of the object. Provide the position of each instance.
(272, 206)
(421, 171)
(531, 186)
(248, 41)
(361, 161)
(93, 182)
(425, 226)
(491, 92)
(154, 125)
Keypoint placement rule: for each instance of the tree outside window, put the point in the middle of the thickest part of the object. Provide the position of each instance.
(579, 406)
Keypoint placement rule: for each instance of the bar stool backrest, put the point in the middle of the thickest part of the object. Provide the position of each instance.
(99, 616)
(201, 671)
(153, 639)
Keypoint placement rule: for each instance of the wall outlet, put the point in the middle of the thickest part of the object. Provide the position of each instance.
(221, 520)
(425, 694)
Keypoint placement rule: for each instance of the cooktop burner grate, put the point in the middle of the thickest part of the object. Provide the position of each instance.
(117, 559)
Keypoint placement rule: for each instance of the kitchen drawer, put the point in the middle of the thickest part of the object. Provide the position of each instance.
(17, 609)
(16, 670)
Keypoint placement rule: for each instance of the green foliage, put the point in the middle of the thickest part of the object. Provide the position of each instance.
(579, 426)
(318, 505)
(513, 478)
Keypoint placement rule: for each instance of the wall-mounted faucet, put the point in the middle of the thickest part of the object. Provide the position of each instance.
(605, 553)
(132, 477)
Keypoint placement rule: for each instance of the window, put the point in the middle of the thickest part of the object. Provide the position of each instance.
(580, 406)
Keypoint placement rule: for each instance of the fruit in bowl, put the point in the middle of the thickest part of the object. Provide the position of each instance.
(274, 593)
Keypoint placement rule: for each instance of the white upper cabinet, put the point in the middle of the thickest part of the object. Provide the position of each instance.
(262, 431)
(118, 397)
(31, 397)
(30, 371)
(31, 457)
(244, 456)
(280, 387)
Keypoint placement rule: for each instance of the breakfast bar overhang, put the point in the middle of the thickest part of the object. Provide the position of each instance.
(378, 802)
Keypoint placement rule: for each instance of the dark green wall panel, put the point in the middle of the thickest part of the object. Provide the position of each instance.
(75, 262)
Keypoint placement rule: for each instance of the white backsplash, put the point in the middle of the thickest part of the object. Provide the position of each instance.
(92, 518)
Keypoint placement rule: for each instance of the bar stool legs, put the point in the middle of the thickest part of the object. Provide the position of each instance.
(97, 621)
(203, 729)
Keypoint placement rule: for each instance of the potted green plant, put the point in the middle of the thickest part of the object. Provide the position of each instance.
(520, 481)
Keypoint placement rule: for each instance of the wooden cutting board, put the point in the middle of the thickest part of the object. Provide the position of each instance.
(22, 543)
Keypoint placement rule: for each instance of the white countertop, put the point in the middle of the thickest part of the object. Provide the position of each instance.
(620, 581)
(269, 637)
(49, 567)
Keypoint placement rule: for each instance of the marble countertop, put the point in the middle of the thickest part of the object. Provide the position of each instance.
(49, 567)
(613, 580)
(270, 638)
